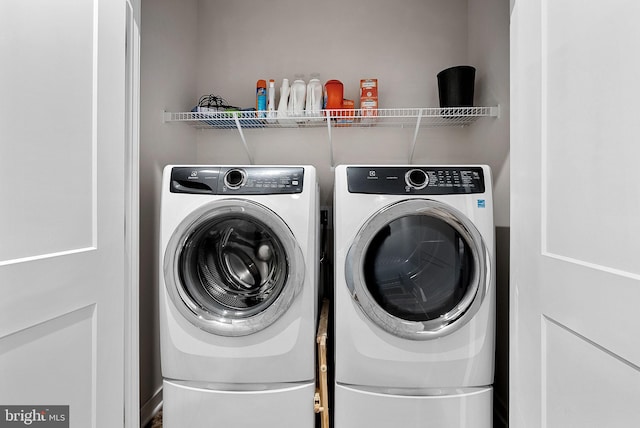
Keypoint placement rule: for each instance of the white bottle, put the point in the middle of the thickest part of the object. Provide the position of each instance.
(284, 98)
(314, 98)
(282, 112)
(297, 98)
(271, 100)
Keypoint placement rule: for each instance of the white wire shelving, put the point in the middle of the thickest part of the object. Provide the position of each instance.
(415, 118)
(397, 117)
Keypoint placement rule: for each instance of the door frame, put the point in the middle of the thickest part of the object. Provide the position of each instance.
(132, 217)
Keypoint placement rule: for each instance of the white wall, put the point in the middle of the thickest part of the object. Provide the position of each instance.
(168, 70)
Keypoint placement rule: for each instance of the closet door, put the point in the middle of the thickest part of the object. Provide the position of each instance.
(63, 272)
(575, 238)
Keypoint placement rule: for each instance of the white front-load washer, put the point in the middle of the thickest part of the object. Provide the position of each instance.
(414, 296)
(238, 295)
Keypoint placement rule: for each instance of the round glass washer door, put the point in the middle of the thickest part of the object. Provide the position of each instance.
(418, 269)
(233, 267)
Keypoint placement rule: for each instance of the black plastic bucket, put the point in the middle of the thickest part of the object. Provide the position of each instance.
(455, 86)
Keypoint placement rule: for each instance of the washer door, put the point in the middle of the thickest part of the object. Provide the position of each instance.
(233, 267)
(418, 269)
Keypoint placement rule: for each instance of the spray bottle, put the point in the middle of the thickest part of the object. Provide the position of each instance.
(261, 97)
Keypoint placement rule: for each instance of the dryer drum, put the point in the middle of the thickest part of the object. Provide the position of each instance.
(233, 267)
(418, 269)
(221, 259)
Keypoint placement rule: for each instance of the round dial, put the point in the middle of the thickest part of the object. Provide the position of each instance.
(416, 178)
(235, 178)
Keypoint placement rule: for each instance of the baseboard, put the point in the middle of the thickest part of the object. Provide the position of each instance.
(151, 407)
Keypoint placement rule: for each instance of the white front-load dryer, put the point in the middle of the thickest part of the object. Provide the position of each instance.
(414, 296)
(238, 295)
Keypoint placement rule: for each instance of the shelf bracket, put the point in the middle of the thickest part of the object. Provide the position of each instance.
(244, 140)
(330, 139)
(495, 111)
(415, 136)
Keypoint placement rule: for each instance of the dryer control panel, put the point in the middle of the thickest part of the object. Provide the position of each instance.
(247, 180)
(418, 180)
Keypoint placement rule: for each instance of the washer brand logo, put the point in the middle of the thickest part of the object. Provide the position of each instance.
(194, 174)
(34, 416)
(481, 203)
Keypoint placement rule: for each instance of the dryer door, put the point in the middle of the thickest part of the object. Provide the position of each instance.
(419, 269)
(233, 267)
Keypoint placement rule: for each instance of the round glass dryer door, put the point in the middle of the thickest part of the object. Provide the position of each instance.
(418, 269)
(233, 267)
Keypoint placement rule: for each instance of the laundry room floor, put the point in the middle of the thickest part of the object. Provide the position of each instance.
(156, 422)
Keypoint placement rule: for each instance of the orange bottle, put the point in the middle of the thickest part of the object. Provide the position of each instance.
(333, 94)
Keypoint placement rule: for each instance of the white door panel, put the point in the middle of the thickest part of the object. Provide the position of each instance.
(597, 300)
(575, 274)
(590, 113)
(48, 128)
(63, 275)
(605, 398)
(60, 377)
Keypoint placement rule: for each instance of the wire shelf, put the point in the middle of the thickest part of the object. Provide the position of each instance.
(357, 118)
(415, 118)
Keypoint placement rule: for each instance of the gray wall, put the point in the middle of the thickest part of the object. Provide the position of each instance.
(168, 54)
(403, 43)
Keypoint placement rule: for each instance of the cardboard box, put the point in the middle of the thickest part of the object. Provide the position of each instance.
(346, 117)
(369, 97)
(369, 88)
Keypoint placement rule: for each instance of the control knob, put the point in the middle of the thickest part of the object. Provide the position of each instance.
(235, 178)
(416, 179)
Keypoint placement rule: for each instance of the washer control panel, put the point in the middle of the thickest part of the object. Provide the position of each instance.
(418, 180)
(246, 180)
